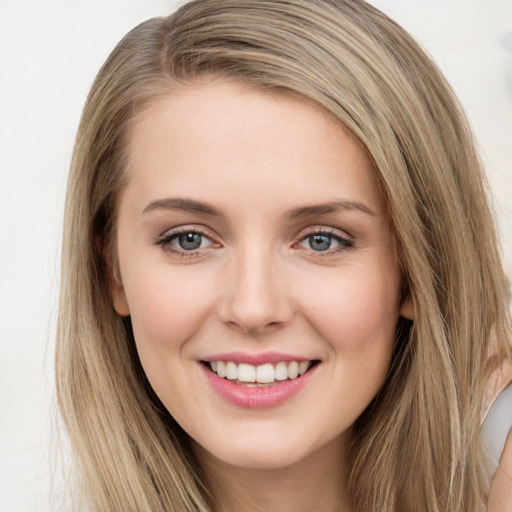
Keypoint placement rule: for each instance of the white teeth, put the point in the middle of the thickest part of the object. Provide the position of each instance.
(263, 374)
(293, 370)
(281, 371)
(221, 369)
(231, 370)
(246, 372)
(303, 367)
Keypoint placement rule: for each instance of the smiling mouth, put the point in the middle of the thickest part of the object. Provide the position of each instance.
(263, 375)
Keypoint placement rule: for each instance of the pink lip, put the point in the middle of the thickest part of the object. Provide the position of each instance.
(257, 397)
(255, 359)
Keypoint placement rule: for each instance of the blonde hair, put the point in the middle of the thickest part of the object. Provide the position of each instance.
(417, 446)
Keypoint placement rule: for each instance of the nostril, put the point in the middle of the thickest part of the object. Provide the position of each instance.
(257, 303)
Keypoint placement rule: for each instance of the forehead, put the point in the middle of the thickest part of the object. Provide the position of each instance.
(226, 137)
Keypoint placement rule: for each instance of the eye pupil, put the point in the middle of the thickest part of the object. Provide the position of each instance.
(319, 242)
(190, 241)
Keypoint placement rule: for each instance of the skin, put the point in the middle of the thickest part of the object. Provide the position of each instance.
(256, 284)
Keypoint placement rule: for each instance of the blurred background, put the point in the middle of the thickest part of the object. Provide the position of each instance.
(50, 52)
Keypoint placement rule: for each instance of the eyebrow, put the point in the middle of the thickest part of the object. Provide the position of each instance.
(191, 206)
(331, 207)
(186, 205)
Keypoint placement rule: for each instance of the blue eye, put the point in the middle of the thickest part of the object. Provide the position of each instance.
(184, 241)
(326, 242)
(320, 242)
(188, 241)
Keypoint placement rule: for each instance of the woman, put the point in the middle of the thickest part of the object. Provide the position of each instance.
(283, 291)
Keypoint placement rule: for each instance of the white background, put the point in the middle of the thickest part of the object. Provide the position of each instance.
(49, 53)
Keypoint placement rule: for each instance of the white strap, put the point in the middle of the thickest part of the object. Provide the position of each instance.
(497, 426)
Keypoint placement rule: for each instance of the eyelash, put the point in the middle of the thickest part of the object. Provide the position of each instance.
(345, 244)
(164, 241)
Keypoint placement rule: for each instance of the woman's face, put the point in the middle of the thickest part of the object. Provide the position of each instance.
(252, 238)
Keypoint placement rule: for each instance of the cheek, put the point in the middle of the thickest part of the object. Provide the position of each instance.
(166, 309)
(357, 313)
(358, 320)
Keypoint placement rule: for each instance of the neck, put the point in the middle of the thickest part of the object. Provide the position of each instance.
(317, 482)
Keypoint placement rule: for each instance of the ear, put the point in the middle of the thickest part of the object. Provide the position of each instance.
(116, 286)
(407, 308)
(118, 297)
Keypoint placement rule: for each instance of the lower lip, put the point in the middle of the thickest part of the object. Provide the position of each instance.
(257, 397)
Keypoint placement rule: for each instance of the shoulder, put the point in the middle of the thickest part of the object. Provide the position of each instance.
(500, 496)
(498, 424)
(497, 431)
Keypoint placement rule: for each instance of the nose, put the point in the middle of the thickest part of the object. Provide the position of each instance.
(256, 298)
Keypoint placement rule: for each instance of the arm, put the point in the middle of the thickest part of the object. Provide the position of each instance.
(500, 497)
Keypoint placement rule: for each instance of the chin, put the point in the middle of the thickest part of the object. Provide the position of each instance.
(262, 454)
(256, 459)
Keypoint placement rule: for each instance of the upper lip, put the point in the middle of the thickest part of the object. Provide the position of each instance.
(256, 359)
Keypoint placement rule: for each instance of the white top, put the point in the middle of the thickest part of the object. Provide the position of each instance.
(497, 426)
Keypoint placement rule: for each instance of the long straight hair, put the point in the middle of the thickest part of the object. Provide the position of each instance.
(417, 446)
